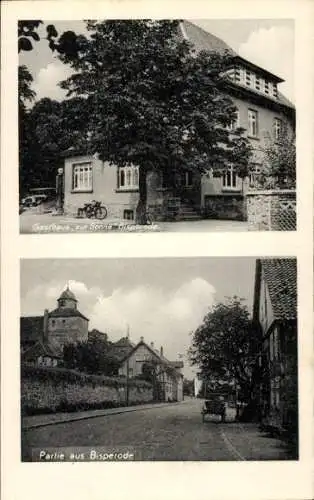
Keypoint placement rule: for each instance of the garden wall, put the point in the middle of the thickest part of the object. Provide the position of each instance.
(272, 210)
(45, 390)
(225, 206)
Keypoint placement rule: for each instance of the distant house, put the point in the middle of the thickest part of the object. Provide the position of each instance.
(42, 354)
(144, 360)
(121, 348)
(275, 310)
(46, 335)
(262, 110)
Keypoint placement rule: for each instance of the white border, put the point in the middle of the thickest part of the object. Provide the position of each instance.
(173, 480)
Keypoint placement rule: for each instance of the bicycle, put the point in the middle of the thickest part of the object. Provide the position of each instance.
(93, 209)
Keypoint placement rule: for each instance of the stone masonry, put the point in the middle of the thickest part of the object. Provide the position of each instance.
(273, 210)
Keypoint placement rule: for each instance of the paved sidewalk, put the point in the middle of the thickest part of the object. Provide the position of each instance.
(58, 418)
(247, 442)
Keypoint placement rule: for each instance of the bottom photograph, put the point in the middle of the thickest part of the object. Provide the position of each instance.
(159, 359)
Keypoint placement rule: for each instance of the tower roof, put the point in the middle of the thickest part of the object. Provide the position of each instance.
(67, 294)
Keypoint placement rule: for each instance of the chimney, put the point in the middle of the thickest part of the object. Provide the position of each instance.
(45, 329)
(161, 351)
(152, 345)
(142, 339)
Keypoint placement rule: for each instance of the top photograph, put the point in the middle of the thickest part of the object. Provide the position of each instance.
(156, 126)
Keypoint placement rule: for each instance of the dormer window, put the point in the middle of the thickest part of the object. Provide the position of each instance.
(266, 89)
(274, 90)
(257, 83)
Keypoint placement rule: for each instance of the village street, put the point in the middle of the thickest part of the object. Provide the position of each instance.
(170, 432)
(32, 222)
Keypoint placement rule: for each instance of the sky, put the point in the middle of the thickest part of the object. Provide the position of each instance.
(160, 299)
(266, 42)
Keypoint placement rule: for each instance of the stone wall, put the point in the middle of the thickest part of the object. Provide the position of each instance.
(273, 210)
(225, 206)
(57, 389)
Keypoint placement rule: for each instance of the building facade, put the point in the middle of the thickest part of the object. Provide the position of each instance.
(262, 111)
(275, 310)
(43, 337)
(165, 375)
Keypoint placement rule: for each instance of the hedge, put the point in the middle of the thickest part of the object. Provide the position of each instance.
(57, 375)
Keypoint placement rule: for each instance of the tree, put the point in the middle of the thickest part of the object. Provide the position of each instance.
(46, 131)
(28, 33)
(153, 102)
(25, 80)
(226, 346)
(188, 387)
(91, 357)
(279, 169)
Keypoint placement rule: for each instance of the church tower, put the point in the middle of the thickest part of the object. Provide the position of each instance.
(66, 324)
(67, 300)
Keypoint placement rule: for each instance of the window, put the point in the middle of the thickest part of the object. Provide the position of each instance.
(187, 179)
(128, 214)
(53, 322)
(249, 78)
(257, 83)
(229, 179)
(82, 177)
(252, 119)
(254, 173)
(235, 123)
(128, 178)
(266, 88)
(277, 128)
(274, 90)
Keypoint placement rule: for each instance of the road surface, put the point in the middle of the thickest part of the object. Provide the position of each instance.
(174, 432)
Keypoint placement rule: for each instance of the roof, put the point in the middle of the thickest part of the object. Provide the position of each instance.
(31, 328)
(67, 294)
(41, 349)
(283, 100)
(281, 279)
(122, 348)
(165, 361)
(66, 312)
(176, 364)
(203, 40)
(123, 342)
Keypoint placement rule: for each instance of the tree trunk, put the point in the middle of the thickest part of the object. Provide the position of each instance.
(141, 209)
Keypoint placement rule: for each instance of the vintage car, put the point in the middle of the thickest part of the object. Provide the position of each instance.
(216, 405)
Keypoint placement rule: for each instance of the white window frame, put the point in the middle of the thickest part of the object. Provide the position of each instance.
(250, 78)
(257, 83)
(229, 180)
(235, 123)
(82, 177)
(274, 90)
(255, 170)
(267, 87)
(128, 178)
(277, 128)
(252, 123)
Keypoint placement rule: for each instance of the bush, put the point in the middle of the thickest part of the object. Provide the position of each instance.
(58, 374)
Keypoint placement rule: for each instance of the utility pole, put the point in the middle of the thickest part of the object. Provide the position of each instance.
(127, 382)
(127, 370)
